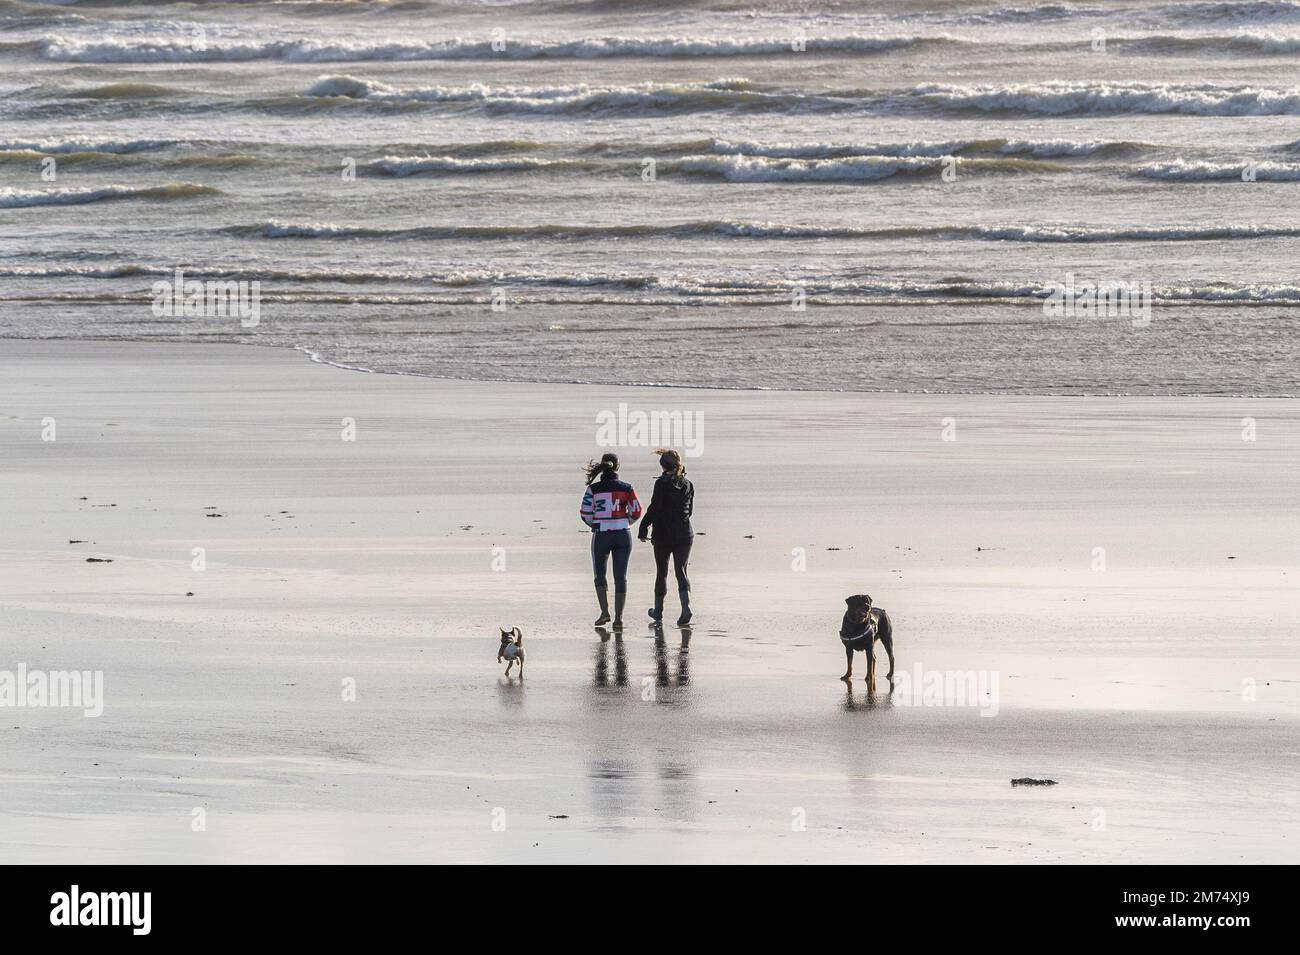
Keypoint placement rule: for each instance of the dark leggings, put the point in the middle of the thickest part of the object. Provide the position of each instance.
(605, 543)
(680, 551)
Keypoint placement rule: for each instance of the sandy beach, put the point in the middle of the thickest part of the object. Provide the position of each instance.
(1160, 690)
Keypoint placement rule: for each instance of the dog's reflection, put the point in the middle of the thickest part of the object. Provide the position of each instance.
(664, 676)
(602, 658)
(870, 699)
(510, 690)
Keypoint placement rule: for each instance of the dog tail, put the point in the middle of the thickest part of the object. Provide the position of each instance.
(519, 635)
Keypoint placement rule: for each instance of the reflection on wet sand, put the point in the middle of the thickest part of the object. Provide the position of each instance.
(510, 691)
(683, 675)
(632, 743)
(868, 699)
(860, 747)
(666, 674)
(602, 658)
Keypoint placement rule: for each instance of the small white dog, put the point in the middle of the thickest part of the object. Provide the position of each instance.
(512, 649)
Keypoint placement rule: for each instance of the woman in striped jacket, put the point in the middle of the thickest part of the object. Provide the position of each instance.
(610, 508)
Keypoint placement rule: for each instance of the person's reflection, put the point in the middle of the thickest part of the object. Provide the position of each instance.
(602, 659)
(664, 676)
(641, 735)
(661, 660)
(679, 793)
(684, 658)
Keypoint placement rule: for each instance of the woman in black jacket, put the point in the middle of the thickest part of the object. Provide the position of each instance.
(669, 515)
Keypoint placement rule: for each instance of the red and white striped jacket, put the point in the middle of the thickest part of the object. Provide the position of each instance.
(609, 504)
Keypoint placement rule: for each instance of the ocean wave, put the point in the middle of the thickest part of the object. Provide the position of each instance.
(449, 165)
(23, 198)
(723, 289)
(1051, 99)
(732, 93)
(33, 13)
(164, 49)
(1204, 171)
(1066, 148)
(1231, 11)
(1235, 11)
(25, 156)
(1083, 234)
(488, 147)
(127, 90)
(859, 291)
(749, 147)
(1040, 149)
(721, 228)
(325, 276)
(1268, 44)
(172, 48)
(661, 290)
(82, 271)
(507, 155)
(1037, 13)
(761, 169)
(216, 161)
(685, 230)
(197, 161)
(1054, 99)
(852, 169)
(290, 230)
(81, 144)
(742, 95)
(1223, 293)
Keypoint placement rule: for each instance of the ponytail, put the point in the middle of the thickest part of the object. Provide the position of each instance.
(670, 460)
(607, 464)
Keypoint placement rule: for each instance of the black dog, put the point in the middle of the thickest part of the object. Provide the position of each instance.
(861, 628)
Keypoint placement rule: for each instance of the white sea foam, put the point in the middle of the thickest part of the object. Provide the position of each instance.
(760, 169)
(1105, 97)
(723, 228)
(173, 49)
(1206, 170)
(1057, 148)
(749, 147)
(412, 165)
(21, 198)
(85, 144)
(1026, 99)
(641, 98)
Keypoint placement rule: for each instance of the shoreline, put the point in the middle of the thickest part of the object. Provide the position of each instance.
(316, 358)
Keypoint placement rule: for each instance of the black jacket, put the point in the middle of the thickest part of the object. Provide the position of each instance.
(669, 513)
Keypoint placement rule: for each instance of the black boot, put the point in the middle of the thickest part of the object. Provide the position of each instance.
(685, 618)
(619, 600)
(657, 611)
(602, 597)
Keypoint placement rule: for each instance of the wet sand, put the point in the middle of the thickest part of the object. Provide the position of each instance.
(1162, 692)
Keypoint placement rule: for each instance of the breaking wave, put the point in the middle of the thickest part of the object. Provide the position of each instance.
(711, 228)
(1054, 99)
(183, 50)
(1204, 171)
(22, 198)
